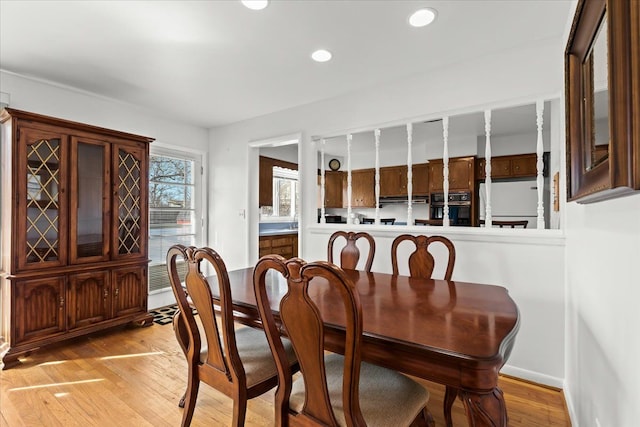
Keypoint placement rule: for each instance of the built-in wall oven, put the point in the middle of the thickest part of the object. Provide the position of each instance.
(459, 207)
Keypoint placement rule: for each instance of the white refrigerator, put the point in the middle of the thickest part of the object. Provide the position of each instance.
(511, 201)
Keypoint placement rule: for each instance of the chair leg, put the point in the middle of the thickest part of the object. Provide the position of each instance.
(449, 398)
(424, 419)
(190, 404)
(239, 411)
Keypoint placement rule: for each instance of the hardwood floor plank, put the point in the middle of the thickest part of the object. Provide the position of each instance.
(135, 377)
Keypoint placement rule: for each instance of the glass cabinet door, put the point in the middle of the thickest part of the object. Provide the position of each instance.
(90, 200)
(42, 222)
(130, 201)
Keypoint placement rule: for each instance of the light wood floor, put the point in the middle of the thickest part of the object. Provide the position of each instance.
(135, 377)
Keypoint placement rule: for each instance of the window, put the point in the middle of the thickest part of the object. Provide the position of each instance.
(174, 208)
(285, 194)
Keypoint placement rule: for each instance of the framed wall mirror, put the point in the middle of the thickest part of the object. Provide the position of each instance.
(602, 71)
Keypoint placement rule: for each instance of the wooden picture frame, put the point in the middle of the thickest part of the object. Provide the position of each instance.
(594, 174)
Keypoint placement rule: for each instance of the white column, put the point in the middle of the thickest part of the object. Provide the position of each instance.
(487, 168)
(322, 194)
(409, 174)
(349, 138)
(377, 138)
(540, 164)
(445, 170)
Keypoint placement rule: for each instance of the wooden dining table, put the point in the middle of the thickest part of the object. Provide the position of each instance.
(454, 333)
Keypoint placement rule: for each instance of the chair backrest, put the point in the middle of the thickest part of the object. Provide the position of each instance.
(427, 222)
(195, 292)
(421, 261)
(304, 325)
(509, 224)
(350, 254)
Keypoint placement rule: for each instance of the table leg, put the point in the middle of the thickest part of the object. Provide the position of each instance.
(485, 409)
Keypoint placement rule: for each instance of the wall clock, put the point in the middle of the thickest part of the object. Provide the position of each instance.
(334, 164)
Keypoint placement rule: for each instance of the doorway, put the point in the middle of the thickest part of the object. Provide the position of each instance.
(274, 197)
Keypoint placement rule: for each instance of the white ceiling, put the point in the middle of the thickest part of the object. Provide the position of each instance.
(212, 63)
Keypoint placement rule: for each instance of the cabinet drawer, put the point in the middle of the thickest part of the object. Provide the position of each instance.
(282, 241)
(285, 251)
(265, 242)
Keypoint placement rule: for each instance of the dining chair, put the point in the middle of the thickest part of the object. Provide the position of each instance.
(236, 362)
(332, 390)
(421, 261)
(422, 264)
(508, 224)
(350, 254)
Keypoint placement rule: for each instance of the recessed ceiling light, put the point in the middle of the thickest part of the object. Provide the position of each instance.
(255, 4)
(422, 17)
(321, 55)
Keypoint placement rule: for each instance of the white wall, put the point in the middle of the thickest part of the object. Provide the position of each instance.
(603, 325)
(508, 78)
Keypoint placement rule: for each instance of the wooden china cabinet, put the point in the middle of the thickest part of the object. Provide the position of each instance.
(74, 223)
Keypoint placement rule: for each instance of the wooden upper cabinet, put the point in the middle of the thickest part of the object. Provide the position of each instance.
(516, 166)
(461, 174)
(393, 181)
(525, 165)
(334, 187)
(363, 188)
(420, 179)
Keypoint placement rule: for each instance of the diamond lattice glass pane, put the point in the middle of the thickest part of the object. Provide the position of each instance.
(43, 181)
(129, 203)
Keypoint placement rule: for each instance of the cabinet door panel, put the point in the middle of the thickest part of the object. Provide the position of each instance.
(460, 177)
(39, 308)
(362, 188)
(41, 199)
(500, 167)
(420, 179)
(393, 181)
(90, 201)
(89, 298)
(525, 165)
(130, 202)
(129, 290)
(333, 189)
(435, 177)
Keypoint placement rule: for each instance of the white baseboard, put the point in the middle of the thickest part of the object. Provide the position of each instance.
(532, 376)
(570, 406)
(160, 299)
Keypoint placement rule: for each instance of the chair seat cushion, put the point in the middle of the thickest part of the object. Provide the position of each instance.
(255, 354)
(387, 398)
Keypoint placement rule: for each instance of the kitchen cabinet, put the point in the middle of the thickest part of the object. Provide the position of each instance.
(420, 179)
(393, 180)
(461, 174)
(75, 221)
(363, 188)
(515, 166)
(334, 189)
(285, 245)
